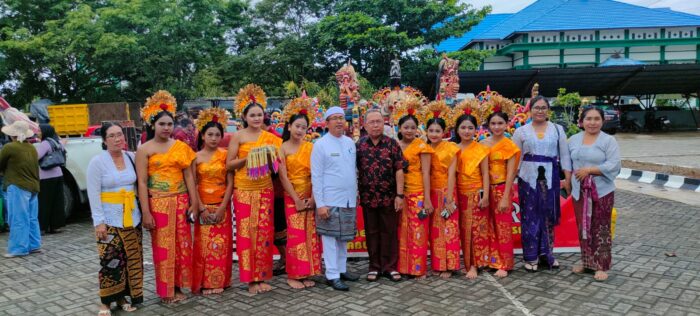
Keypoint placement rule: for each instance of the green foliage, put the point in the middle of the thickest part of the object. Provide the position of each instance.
(83, 51)
(572, 99)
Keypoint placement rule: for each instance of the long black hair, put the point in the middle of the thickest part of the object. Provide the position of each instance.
(210, 124)
(151, 130)
(464, 117)
(103, 131)
(245, 112)
(47, 131)
(404, 120)
(286, 134)
(438, 121)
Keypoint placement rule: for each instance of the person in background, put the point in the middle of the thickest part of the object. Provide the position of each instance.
(185, 132)
(596, 163)
(20, 165)
(111, 187)
(51, 214)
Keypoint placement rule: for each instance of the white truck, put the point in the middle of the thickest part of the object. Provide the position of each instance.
(79, 151)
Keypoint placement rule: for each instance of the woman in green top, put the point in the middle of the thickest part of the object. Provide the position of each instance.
(20, 164)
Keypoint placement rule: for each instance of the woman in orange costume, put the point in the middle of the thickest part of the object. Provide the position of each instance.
(472, 190)
(444, 222)
(504, 157)
(213, 236)
(253, 192)
(303, 250)
(168, 197)
(414, 222)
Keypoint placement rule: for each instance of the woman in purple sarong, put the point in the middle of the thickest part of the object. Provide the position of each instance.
(595, 158)
(542, 144)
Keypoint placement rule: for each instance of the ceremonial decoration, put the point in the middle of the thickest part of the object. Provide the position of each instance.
(408, 106)
(250, 94)
(10, 115)
(262, 161)
(448, 81)
(349, 86)
(302, 105)
(467, 106)
(437, 109)
(217, 115)
(160, 101)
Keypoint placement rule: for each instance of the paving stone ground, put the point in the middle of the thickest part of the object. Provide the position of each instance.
(644, 281)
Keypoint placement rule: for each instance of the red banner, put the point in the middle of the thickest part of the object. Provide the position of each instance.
(565, 234)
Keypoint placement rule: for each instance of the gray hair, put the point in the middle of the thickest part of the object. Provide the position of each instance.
(372, 110)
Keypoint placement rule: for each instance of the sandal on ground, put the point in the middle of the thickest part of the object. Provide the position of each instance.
(104, 312)
(372, 276)
(128, 308)
(394, 276)
(530, 267)
(555, 265)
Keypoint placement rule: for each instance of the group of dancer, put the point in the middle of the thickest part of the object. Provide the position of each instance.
(449, 196)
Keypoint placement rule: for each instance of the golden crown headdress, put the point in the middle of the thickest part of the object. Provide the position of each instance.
(469, 107)
(498, 103)
(410, 105)
(302, 105)
(437, 109)
(160, 101)
(217, 115)
(250, 94)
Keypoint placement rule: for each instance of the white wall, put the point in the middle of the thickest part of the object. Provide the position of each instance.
(645, 53)
(543, 37)
(579, 36)
(639, 34)
(681, 32)
(579, 55)
(680, 52)
(612, 35)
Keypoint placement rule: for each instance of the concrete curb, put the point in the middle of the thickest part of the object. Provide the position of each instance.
(650, 177)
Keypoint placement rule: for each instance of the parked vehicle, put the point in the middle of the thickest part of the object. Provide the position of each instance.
(656, 123)
(629, 124)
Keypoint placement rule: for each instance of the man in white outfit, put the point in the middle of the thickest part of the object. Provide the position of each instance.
(334, 182)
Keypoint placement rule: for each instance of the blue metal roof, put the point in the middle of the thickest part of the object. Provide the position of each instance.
(562, 15)
(454, 44)
(605, 14)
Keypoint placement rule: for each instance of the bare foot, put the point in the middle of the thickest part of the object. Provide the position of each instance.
(295, 284)
(212, 291)
(421, 277)
(264, 287)
(179, 296)
(501, 273)
(254, 288)
(600, 275)
(577, 269)
(309, 283)
(446, 274)
(472, 274)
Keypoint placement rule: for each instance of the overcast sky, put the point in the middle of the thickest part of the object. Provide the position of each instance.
(511, 6)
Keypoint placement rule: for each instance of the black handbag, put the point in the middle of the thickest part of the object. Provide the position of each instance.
(55, 158)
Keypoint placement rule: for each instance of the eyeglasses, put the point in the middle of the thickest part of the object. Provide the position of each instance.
(540, 108)
(120, 134)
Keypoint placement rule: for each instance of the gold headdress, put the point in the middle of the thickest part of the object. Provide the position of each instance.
(248, 95)
(218, 115)
(160, 101)
(470, 107)
(437, 109)
(498, 103)
(408, 106)
(302, 105)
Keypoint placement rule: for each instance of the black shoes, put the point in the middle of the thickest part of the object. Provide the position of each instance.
(347, 276)
(338, 285)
